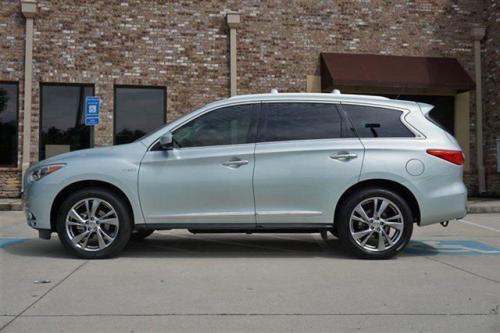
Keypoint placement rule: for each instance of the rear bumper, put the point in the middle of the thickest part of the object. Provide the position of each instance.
(444, 204)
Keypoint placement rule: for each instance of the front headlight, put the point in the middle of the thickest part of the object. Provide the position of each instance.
(45, 170)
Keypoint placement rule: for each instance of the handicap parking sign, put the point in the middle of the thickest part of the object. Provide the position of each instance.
(450, 247)
(92, 106)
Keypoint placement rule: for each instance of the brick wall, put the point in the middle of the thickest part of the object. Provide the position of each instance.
(183, 45)
(11, 69)
(491, 58)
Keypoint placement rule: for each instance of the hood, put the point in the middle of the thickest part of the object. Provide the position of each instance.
(92, 153)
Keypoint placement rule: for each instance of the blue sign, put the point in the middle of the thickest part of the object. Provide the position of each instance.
(92, 108)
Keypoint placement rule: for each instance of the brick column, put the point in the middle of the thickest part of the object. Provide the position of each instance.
(29, 10)
(233, 20)
(478, 34)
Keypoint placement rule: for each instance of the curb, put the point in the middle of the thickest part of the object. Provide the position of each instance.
(483, 210)
(11, 206)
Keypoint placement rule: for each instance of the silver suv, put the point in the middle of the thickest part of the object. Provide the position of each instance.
(364, 168)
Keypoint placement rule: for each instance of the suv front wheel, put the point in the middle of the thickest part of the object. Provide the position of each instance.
(375, 223)
(94, 223)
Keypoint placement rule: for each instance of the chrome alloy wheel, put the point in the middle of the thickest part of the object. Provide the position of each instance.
(376, 224)
(92, 224)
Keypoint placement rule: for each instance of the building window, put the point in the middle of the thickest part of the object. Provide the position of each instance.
(8, 124)
(62, 118)
(138, 110)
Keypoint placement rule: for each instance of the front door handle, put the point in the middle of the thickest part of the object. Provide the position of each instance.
(234, 163)
(343, 156)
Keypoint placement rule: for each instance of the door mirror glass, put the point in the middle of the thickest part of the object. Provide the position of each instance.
(166, 141)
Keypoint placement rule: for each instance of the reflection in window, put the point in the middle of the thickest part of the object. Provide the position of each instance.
(8, 124)
(138, 110)
(226, 126)
(375, 122)
(62, 119)
(301, 121)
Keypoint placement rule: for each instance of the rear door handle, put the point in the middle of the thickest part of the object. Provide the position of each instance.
(343, 156)
(234, 163)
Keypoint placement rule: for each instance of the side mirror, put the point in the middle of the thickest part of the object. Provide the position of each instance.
(166, 141)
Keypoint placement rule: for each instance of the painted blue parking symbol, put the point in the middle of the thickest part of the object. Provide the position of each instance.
(4, 242)
(450, 247)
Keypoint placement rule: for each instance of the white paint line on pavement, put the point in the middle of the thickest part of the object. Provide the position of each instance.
(479, 225)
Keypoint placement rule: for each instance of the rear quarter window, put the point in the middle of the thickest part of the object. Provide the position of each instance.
(377, 122)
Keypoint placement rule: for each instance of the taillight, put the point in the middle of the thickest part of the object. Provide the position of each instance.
(453, 156)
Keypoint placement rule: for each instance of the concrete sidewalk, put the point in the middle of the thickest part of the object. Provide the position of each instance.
(474, 205)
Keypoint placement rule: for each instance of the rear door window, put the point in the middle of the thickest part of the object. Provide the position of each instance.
(300, 121)
(377, 122)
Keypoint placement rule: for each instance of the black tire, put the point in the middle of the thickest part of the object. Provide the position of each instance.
(140, 234)
(122, 233)
(335, 231)
(344, 228)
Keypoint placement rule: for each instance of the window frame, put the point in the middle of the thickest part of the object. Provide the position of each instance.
(16, 162)
(134, 86)
(200, 112)
(345, 122)
(404, 113)
(40, 117)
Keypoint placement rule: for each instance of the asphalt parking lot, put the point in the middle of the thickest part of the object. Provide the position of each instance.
(447, 280)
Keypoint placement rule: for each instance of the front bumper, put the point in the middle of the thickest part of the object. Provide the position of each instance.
(37, 198)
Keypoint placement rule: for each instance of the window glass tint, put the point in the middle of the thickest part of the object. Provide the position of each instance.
(8, 124)
(443, 113)
(62, 119)
(376, 122)
(227, 126)
(301, 121)
(138, 110)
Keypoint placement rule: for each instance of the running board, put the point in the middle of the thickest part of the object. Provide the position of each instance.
(248, 228)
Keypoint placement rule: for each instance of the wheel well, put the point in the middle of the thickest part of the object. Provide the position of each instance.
(403, 191)
(79, 185)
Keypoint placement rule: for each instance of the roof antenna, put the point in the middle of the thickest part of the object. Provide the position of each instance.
(336, 92)
(274, 91)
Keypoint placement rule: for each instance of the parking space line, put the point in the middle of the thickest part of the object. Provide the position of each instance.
(43, 295)
(261, 314)
(462, 269)
(479, 225)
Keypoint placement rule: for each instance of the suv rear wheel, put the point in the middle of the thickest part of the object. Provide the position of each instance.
(375, 223)
(94, 223)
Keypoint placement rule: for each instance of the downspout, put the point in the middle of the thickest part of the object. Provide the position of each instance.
(233, 20)
(29, 10)
(478, 34)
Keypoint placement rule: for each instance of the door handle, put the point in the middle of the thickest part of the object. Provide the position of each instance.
(234, 163)
(343, 156)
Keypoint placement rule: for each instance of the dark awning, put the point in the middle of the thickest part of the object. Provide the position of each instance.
(401, 73)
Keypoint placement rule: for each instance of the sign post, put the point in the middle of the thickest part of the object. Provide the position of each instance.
(92, 114)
